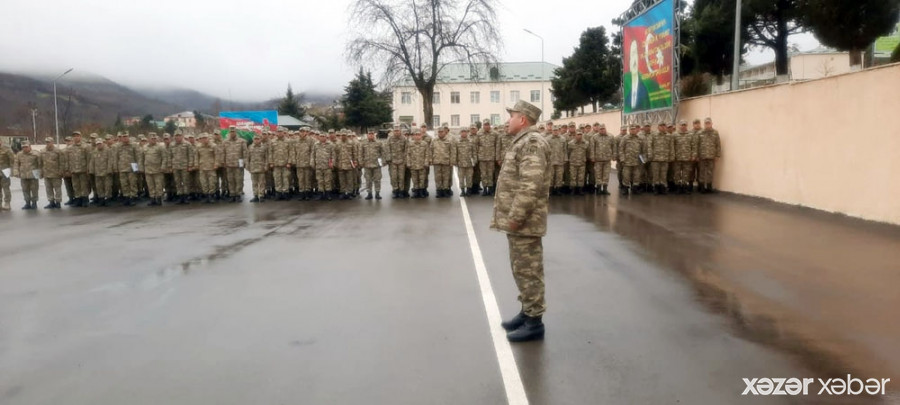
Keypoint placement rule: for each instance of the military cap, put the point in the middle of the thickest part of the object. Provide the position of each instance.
(48, 139)
(76, 133)
(98, 142)
(108, 137)
(94, 135)
(646, 124)
(204, 136)
(330, 131)
(167, 136)
(25, 143)
(189, 136)
(141, 137)
(661, 124)
(682, 122)
(486, 121)
(232, 127)
(596, 124)
(67, 139)
(343, 133)
(541, 127)
(527, 109)
(153, 135)
(571, 123)
(707, 119)
(601, 125)
(696, 120)
(464, 129)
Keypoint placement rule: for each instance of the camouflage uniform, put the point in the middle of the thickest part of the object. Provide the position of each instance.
(155, 164)
(181, 158)
(280, 158)
(577, 158)
(257, 164)
(659, 150)
(370, 152)
(417, 160)
(464, 157)
(321, 159)
(709, 149)
(101, 166)
(558, 155)
(7, 160)
(630, 148)
(235, 153)
(125, 154)
(685, 154)
(486, 146)
(77, 158)
(25, 165)
(396, 158)
(602, 151)
(302, 151)
(345, 161)
(208, 160)
(439, 156)
(522, 198)
(53, 164)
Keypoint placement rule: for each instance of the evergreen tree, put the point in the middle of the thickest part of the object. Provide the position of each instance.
(592, 74)
(363, 105)
(290, 105)
(851, 25)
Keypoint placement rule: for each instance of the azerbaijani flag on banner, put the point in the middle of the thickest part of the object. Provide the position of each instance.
(247, 123)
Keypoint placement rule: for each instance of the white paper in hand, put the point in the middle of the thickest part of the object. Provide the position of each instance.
(36, 173)
(380, 163)
(134, 167)
(6, 172)
(241, 163)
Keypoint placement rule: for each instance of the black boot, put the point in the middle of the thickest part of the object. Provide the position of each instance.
(255, 199)
(328, 195)
(70, 202)
(440, 193)
(369, 195)
(50, 206)
(579, 191)
(486, 192)
(377, 195)
(514, 323)
(532, 329)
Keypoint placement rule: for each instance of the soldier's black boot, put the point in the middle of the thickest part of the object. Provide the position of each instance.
(377, 195)
(531, 329)
(49, 206)
(606, 189)
(369, 195)
(70, 202)
(328, 195)
(255, 199)
(486, 192)
(579, 191)
(514, 323)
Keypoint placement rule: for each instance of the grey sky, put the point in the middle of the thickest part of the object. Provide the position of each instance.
(248, 49)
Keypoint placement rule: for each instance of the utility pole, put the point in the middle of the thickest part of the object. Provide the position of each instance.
(736, 69)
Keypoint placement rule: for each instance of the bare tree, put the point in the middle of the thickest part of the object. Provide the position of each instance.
(413, 40)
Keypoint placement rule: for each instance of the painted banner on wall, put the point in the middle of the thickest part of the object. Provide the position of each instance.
(648, 53)
(247, 123)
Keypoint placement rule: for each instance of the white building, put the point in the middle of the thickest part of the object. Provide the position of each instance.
(461, 97)
(814, 64)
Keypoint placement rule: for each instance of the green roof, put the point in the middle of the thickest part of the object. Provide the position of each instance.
(500, 72)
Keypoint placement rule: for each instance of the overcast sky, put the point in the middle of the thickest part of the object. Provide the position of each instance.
(249, 50)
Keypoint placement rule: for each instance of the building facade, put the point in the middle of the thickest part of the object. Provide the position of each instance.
(463, 96)
(810, 65)
(183, 119)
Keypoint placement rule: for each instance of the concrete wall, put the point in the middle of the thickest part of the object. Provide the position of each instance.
(830, 144)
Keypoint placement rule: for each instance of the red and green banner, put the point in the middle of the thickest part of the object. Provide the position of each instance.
(247, 123)
(648, 48)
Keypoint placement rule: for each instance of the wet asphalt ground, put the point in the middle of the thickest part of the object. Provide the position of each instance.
(651, 300)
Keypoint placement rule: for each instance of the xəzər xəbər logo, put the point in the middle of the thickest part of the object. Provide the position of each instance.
(801, 386)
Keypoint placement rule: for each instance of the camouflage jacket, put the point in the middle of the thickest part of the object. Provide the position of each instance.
(207, 157)
(234, 151)
(102, 162)
(578, 152)
(25, 163)
(504, 142)
(322, 155)
(345, 155)
(53, 163)
(280, 152)
(708, 146)
(370, 152)
(77, 158)
(523, 186)
(440, 151)
(125, 155)
(464, 153)
(302, 151)
(417, 155)
(660, 147)
(156, 159)
(558, 151)
(603, 148)
(257, 158)
(630, 148)
(7, 158)
(396, 149)
(181, 156)
(486, 146)
(685, 146)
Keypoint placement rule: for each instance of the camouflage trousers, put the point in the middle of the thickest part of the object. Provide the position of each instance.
(419, 178)
(70, 187)
(601, 172)
(576, 176)
(270, 180)
(398, 176)
(103, 184)
(235, 179)
(128, 184)
(282, 177)
(526, 256)
(304, 179)
(373, 179)
(156, 182)
(323, 178)
(682, 172)
(4, 189)
(486, 168)
(706, 170)
(658, 171)
(81, 185)
(443, 177)
(346, 181)
(258, 184)
(556, 175)
(30, 189)
(631, 175)
(182, 181)
(208, 181)
(194, 183)
(590, 177)
(465, 177)
(53, 187)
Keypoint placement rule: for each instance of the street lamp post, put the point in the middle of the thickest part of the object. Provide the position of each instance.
(543, 76)
(736, 68)
(34, 123)
(55, 105)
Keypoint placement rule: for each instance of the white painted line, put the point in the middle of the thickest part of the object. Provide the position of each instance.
(509, 371)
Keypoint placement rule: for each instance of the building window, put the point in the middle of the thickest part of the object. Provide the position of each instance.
(495, 97)
(436, 98)
(454, 120)
(454, 97)
(405, 97)
(513, 96)
(495, 119)
(475, 97)
(475, 119)
(435, 121)
(535, 96)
